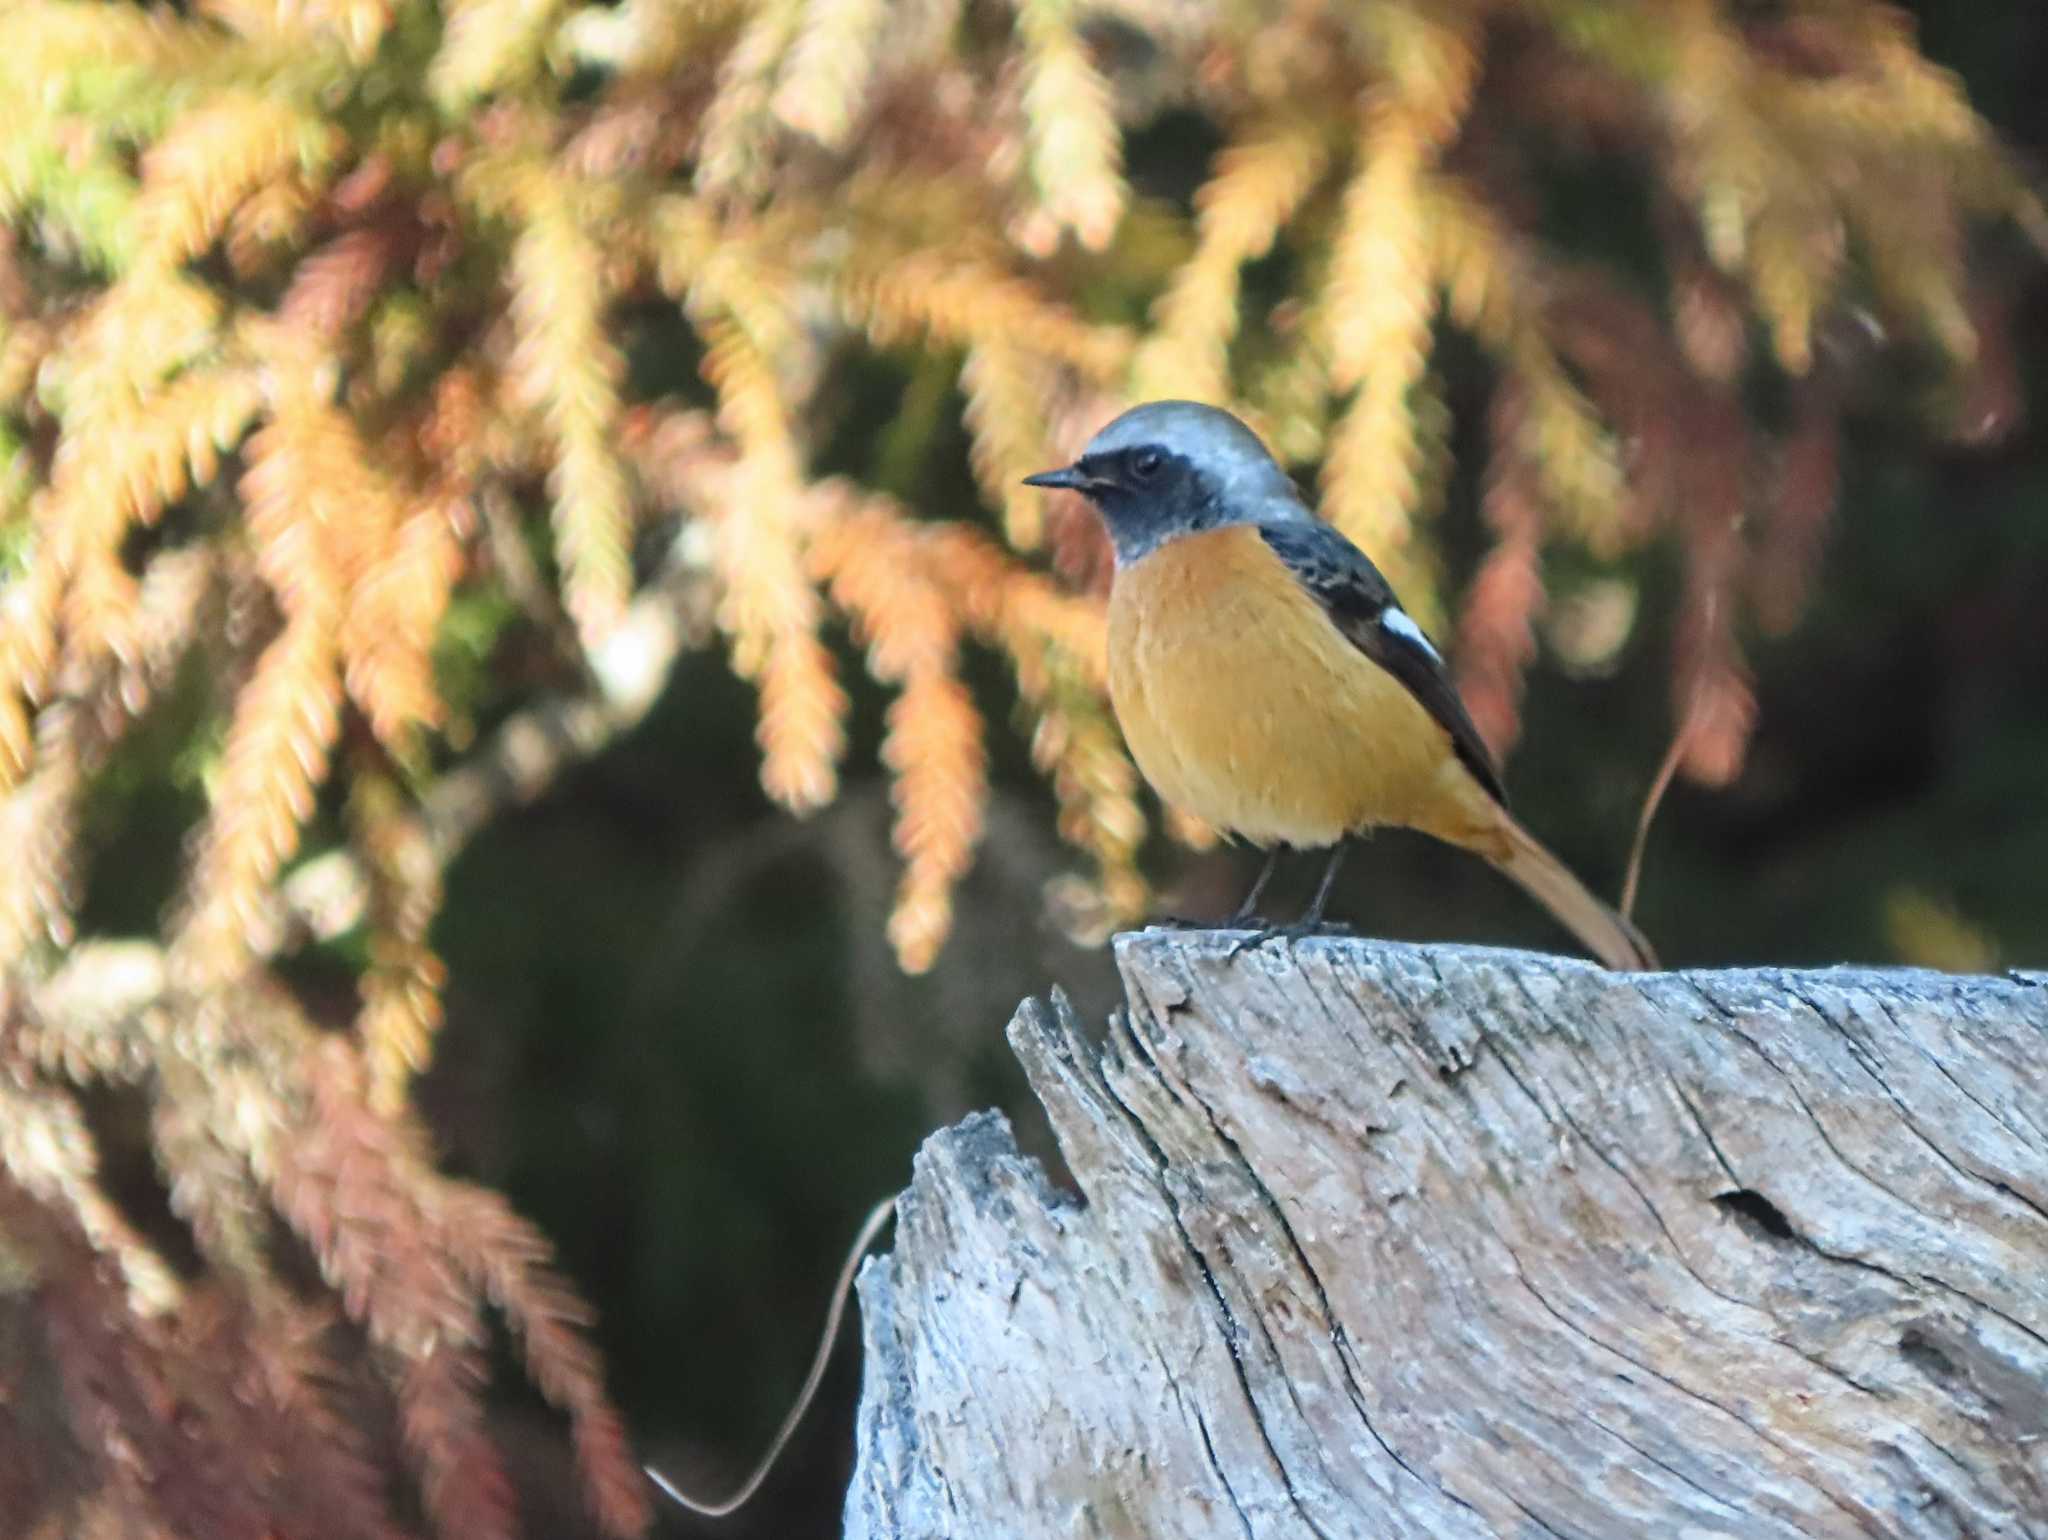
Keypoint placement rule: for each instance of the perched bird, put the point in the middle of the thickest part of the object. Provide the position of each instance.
(1268, 681)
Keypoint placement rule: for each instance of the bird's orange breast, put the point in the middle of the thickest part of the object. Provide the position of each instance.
(1244, 705)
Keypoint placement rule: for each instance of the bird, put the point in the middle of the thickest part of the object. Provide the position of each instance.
(1268, 681)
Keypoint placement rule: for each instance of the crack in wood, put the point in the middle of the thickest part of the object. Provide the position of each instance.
(1420, 1242)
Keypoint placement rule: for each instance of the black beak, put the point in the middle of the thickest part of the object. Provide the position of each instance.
(1069, 478)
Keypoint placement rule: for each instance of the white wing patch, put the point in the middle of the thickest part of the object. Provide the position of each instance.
(1396, 620)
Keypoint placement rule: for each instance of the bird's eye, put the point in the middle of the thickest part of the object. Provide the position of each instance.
(1145, 464)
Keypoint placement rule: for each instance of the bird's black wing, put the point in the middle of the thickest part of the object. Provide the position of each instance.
(1361, 604)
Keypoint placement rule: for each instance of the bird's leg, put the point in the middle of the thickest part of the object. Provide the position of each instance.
(1245, 915)
(1247, 911)
(1312, 917)
(1311, 922)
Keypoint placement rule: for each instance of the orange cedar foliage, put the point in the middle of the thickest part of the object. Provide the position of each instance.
(964, 294)
(1097, 788)
(393, 614)
(1380, 307)
(361, 583)
(401, 991)
(800, 180)
(128, 471)
(404, 586)
(1007, 393)
(1072, 147)
(213, 158)
(769, 607)
(301, 497)
(1258, 183)
(830, 63)
(880, 574)
(38, 820)
(386, 1229)
(568, 368)
(253, 1451)
(771, 613)
(28, 652)
(1497, 630)
(332, 288)
(1801, 499)
(510, 1264)
(1058, 645)
(462, 1475)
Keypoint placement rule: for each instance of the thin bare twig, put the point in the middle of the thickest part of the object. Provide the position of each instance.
(871, 1227)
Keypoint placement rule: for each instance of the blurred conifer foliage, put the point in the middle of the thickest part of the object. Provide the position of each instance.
(314, 320)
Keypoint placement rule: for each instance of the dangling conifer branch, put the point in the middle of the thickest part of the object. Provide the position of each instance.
(319, 322)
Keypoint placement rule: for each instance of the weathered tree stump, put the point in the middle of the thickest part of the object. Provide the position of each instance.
(1382, 1240)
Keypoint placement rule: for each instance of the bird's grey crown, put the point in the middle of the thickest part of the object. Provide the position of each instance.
(1246, 484)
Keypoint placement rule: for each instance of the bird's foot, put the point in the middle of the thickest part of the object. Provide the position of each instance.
(1251, 922)
(1301, 930)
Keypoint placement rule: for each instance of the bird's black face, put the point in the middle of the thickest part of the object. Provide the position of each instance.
(1147, 495)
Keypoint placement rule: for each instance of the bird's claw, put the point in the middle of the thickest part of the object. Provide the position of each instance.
(1299, 931)
(1256, 922)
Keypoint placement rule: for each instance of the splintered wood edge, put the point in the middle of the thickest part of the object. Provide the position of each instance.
(1423, 1241)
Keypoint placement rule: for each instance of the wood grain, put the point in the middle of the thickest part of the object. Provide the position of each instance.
(1384, 1240)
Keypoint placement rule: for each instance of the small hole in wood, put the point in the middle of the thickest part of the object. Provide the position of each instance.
(1920, 1350)
(1756, 1214)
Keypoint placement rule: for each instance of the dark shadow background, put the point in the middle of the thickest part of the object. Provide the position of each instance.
(677, 1040)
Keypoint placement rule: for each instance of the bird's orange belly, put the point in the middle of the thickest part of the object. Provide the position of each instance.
(1245, 706)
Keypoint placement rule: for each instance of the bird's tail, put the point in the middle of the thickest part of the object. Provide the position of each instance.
(1602, 931)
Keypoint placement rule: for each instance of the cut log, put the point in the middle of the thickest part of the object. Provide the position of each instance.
(1385, 1240)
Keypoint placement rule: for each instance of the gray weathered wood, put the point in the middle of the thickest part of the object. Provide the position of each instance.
(1381, 1240)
